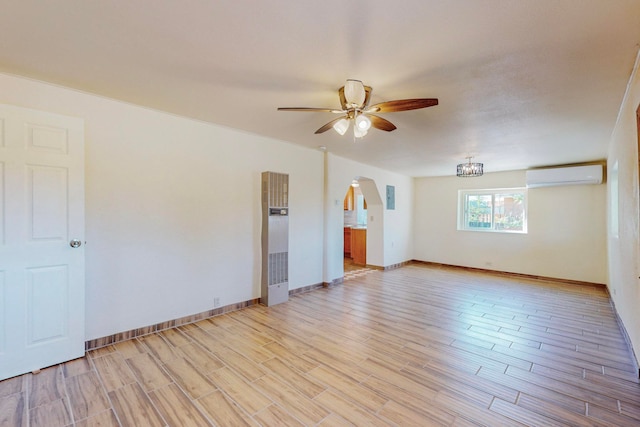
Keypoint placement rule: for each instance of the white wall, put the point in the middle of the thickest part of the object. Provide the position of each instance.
(566, 229)
(389, 238)
(624, 256)
(173, 208)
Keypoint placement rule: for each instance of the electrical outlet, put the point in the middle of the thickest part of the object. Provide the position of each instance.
(216, 302)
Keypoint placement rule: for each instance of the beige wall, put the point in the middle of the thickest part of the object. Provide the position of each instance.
(389, 237)
(624, 284)
(566, 229)
(173, 208)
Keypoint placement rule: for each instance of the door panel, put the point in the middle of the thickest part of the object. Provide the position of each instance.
(47, 203)
(47, 139)
(2, 223)
(47, 310)
(2, 315)
(42, 209)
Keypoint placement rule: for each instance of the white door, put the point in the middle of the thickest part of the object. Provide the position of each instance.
(41, 212)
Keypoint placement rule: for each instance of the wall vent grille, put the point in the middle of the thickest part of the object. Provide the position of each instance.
(278, 268)
(278, 190)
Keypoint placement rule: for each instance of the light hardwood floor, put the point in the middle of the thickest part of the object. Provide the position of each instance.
(416, 346)
(353, 271)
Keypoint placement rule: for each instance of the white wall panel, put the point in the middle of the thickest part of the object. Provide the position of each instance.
(173, 208)
(566, 229)
(624, 246)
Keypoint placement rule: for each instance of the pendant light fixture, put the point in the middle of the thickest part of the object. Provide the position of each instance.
(468, 170)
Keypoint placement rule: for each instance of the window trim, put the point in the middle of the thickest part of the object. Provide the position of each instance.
(462, 209)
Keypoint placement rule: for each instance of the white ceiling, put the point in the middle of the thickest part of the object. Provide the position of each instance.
(521, 83)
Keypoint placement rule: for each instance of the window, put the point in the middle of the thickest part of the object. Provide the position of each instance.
(499, 210)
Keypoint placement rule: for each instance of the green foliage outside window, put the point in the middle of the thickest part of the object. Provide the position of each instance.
(494, 210)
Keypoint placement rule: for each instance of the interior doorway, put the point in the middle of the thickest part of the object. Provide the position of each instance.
(355, 229)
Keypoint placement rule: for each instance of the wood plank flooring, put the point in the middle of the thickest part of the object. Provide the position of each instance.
(353, 270)
(415, 346)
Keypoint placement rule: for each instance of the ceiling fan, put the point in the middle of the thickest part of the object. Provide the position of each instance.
(354, 100)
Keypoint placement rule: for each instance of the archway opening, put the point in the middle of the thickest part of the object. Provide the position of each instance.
(360, 229)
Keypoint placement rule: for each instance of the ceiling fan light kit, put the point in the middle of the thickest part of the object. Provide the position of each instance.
(341, 126)
(363, 122)
(468, 170)
(354, 100)
(359, 133)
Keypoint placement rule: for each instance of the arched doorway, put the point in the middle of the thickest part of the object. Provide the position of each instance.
(361, 200)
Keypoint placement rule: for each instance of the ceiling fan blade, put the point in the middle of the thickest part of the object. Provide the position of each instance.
(380, 123)
(306, 109)
(402, 105)
(367, 96)
(329, 125)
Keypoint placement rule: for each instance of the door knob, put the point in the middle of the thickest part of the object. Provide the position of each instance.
(75, 243)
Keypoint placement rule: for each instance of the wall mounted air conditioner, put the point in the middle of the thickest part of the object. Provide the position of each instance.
(572, 175)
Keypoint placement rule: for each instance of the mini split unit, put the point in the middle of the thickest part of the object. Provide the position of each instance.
(573, 175)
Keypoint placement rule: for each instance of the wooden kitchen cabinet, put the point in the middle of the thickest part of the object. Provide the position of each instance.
(359, 245)
(347, 242)
(349, 200)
